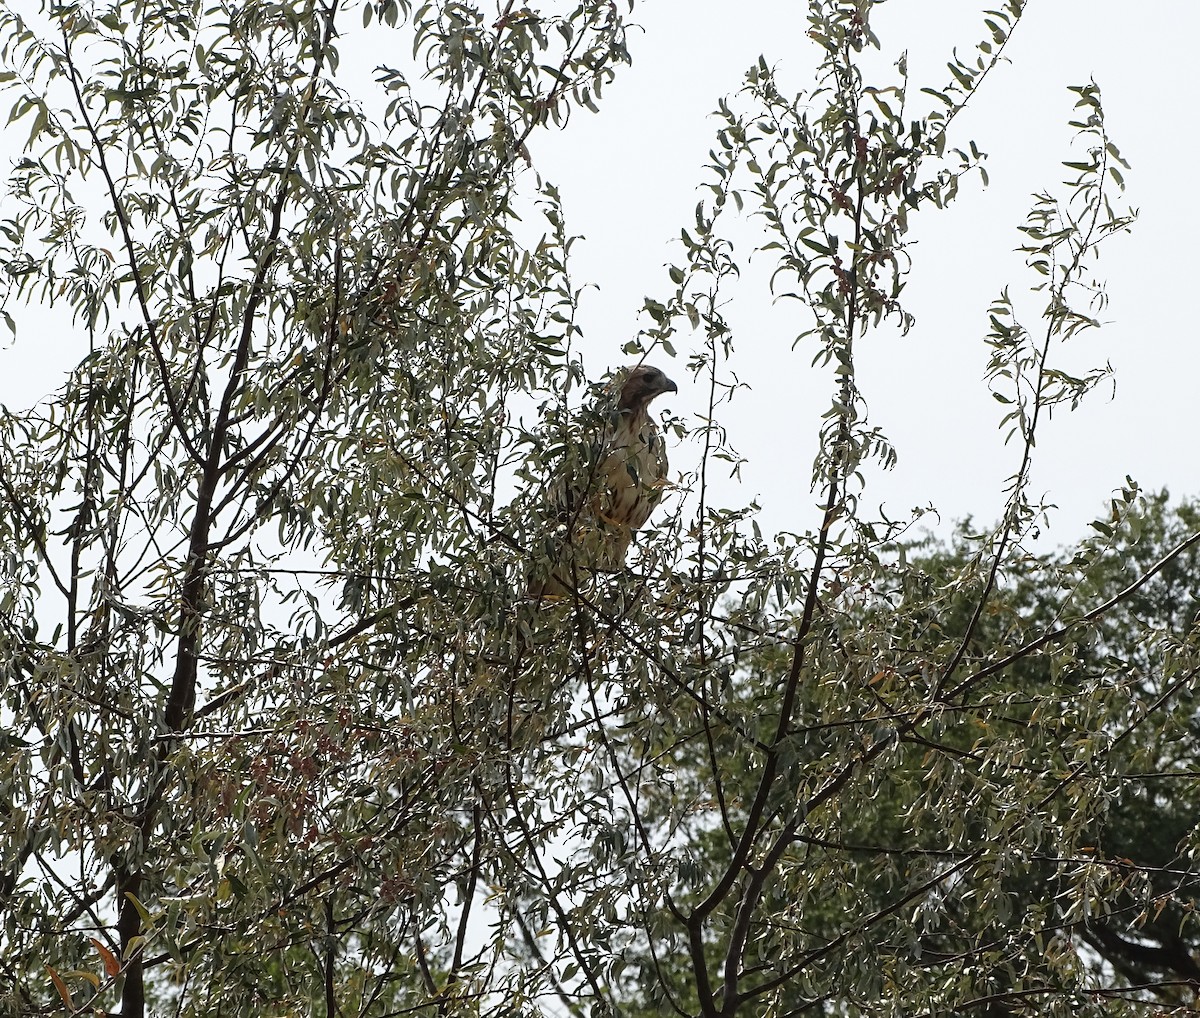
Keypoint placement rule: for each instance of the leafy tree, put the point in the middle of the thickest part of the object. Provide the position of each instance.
(1151, 809)
(1150, 826)
(284, 733)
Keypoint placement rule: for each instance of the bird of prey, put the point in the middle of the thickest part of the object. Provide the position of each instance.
(613, 495)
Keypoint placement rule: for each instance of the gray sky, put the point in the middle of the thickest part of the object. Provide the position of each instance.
(628, 179)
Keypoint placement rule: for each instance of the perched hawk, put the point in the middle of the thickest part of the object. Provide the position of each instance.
(613, 495)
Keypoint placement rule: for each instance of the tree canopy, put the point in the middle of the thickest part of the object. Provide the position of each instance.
(284, 731)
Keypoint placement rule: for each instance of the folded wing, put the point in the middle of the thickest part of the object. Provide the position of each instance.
(616, 495)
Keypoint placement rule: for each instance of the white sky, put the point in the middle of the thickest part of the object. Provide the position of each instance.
(628, 179)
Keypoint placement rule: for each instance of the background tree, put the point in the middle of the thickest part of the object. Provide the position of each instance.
(285, 735)
(1151, 810)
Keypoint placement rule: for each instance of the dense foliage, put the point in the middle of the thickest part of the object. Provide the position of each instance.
(283, 732)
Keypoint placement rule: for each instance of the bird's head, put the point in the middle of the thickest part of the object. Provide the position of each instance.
(642, 384)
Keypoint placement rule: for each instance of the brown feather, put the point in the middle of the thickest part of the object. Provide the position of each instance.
(625, 487)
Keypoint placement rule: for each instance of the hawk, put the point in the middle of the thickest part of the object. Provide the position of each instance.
(618, 489)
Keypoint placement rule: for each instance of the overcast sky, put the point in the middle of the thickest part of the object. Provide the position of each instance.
(628, 178)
